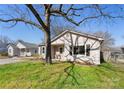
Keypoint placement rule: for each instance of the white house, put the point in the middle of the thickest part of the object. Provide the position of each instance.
(74, 46)
(22, 48)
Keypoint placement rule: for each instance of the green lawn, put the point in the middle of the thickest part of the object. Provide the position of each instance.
(62, 75)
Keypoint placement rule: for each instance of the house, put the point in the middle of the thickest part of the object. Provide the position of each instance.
(122, 48)
(22, 48)
(74, 46)
(110, 53)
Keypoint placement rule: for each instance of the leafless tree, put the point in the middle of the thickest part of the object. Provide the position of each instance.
(4, 41)
(43, 14)
(59, 27)
(108, 39)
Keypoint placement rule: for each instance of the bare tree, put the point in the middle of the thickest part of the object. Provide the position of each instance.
(59, 27)
(43, 14)
(108, 39)
(4, 41)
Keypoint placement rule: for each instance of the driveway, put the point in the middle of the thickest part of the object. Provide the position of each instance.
(10, 60)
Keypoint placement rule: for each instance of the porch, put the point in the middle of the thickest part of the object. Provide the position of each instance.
(24, 52)
(57, 51)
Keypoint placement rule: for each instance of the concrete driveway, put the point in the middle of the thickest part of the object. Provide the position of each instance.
(10, 60)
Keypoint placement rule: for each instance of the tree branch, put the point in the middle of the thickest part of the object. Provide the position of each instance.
(60, 8)
(21, 20)
(37, 16)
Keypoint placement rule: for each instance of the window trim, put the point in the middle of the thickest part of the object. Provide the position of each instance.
(10, 50)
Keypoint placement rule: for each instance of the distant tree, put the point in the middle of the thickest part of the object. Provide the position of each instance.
(4, 41)
(108, 39)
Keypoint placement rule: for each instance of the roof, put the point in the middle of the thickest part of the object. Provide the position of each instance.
(27, 44)
(78, 33)
(13, 45)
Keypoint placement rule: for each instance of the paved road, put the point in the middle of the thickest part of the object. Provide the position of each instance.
(9, 60)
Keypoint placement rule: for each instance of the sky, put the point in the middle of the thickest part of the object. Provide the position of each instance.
(26, 33)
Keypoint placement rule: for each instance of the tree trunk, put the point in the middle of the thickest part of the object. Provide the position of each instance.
(48, 48)
(48, 34)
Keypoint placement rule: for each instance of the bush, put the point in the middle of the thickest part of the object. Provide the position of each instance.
(35, 55)
(4, 54)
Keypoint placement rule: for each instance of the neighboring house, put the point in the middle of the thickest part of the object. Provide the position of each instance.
(122, 48)
(74, 46)
(111, 52)
(22, 48)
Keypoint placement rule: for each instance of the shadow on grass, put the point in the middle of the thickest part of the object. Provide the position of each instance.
(108, 71)
(70, 73)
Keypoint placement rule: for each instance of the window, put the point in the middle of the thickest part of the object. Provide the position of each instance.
(35, 51)
(88, 50)
(61, 50)
(43, 50)
(9, 50)
(77, 50)
(70, 52)
(81, 49)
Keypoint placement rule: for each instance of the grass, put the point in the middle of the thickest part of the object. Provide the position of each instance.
(61, 75)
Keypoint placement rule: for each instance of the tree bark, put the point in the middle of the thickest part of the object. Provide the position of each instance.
(48, 48)
(48, 35)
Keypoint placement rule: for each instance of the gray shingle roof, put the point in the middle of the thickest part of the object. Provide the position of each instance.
(27, 44)
(13, 45)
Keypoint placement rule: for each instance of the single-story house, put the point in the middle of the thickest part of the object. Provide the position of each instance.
(74, 46)
(21, 48)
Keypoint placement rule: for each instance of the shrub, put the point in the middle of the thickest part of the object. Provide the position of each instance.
(4, 54)
(35, 55)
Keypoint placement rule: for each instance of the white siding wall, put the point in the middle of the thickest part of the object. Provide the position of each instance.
(79, 40)
(41, 51)
(10, 51)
